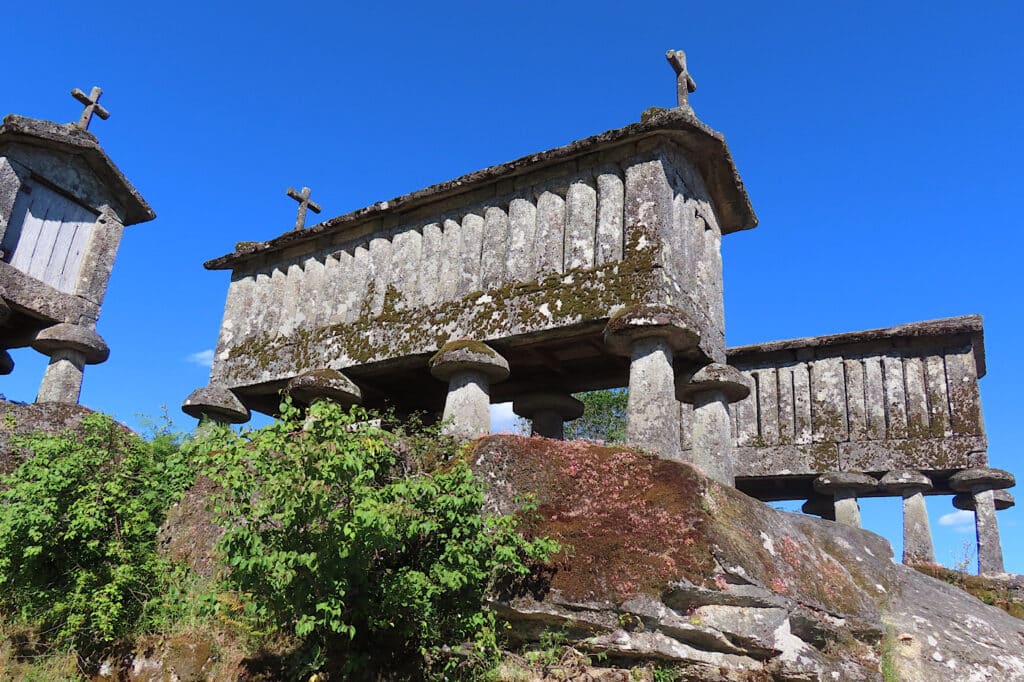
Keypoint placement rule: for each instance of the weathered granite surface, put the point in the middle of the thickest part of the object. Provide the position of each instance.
(670, 565)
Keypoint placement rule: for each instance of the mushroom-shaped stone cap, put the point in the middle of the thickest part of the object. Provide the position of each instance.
(465, 355)
(65, 336)
(324, 384)
(6, 362)
(216, 403)
(643, 321)
(903, 481)
(5, 310)
(847, 481)
(563, 404)
(981, 478)
(1001, 498)
(734, 384)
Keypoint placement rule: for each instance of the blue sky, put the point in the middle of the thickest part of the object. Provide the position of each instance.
(880, 144)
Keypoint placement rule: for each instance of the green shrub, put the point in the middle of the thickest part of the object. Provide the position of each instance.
(78, 522)
(328, 532)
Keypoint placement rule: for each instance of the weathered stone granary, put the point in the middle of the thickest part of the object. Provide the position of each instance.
(63, 207)
(598, 265)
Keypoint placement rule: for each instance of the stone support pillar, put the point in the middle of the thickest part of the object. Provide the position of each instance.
(917, 534)
(469, 367)
(711, 390)
(70, 347)
(6, 362)
(548, 411)
(844, 487)
(215, 405)
(980, 484)
(324, 384)
(650, 335)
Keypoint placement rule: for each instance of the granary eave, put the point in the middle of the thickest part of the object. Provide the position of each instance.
(711, 155)
(74, 140)
(970, 325)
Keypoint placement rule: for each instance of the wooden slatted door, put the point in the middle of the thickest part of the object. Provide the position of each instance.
(47, 235)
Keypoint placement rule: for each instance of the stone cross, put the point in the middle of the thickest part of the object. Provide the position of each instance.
(304, 203)
(684, 81)
(92, 106)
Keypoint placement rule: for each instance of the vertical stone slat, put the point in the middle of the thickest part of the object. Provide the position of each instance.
(406, 268)
(855, 406)
(938, 396)
(380, 271)
(580, 225)
(430, 264)
(335, 267)
(709, 272)
(357, 284)
(262, 300)
(298, 303)
(746, 420)
(828, 396)
(522, 221)
(768, 405)
(277, 303)
(802, 427)
(496, 244)
(315, 294)
(964, 401)
(917, 397)
(471, 239)
(895, 397)
(549, 243)
(874, 398)
(610, 197)
(451, 263)
(689, 247)
(238, 311)
(648, 211)
(787, 410)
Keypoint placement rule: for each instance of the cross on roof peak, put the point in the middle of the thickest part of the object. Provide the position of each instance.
(684, 81)
(304, 203)
(92, 106)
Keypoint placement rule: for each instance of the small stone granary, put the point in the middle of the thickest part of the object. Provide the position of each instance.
(63, 207)
(598, 265)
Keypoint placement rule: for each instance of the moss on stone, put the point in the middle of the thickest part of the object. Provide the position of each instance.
(551, 301)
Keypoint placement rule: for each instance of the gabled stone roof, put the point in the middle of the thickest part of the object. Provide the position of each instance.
(74, 140)
(709, 152)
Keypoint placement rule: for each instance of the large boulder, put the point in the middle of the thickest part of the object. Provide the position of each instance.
(664, 563)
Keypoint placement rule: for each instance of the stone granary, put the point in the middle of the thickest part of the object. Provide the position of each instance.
(63, 207)
(591, 266)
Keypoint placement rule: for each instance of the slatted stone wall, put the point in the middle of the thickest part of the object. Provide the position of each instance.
(47, 235)
(559, 224)
(871, 401)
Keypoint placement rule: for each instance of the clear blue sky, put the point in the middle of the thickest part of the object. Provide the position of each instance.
(880, 144)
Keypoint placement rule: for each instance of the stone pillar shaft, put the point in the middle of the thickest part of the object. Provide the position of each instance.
(917, 533)
(652, 413)
(990, 550)
(467, 406)
(62, 382)
(548, 423)
(712, 449)
(847, 509)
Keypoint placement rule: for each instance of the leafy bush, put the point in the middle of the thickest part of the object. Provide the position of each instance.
(78, 524)
(604, 417)
(327, 532)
